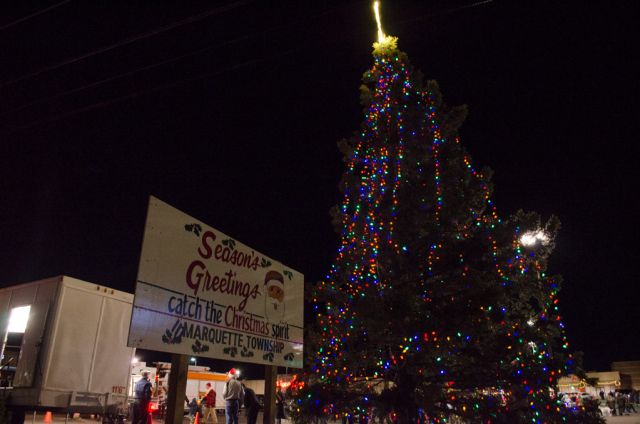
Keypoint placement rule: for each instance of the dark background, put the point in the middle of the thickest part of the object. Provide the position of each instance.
(231, 112)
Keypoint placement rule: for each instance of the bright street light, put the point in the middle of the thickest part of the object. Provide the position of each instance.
(530, 238)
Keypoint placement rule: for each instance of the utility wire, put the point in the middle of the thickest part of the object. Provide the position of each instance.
(186, 80)
(131, 96)
(123, 75)
(140, 93)
(164, 62)
(130, 40)
(26, 18)
(447, 11)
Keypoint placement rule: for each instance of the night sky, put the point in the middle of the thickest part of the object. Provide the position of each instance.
(231, 112)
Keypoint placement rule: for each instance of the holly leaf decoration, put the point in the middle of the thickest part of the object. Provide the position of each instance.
(265, 263)
(288, 274)
(268, 356)
(198, 347)
(246, 353)
(230, 243)
(232, 351)
(193, 228)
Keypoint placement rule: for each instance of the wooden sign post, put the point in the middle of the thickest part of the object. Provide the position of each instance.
(177, 389)
(270, 377)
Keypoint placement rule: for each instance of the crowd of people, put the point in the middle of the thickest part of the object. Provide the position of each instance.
(235, 395)
(620, 403)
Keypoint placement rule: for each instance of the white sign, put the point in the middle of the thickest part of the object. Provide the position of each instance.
(200, 292)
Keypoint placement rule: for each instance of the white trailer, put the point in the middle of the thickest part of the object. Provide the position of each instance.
(197, 379)
(72, 354)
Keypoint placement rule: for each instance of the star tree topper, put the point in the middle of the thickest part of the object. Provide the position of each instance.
(385, 43)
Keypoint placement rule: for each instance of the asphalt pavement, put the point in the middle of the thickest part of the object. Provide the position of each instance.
(59, 419)
(625, 419)
(40, 418)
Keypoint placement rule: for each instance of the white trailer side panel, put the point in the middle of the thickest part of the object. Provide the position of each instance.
(74, 337)
(112, 356)
(89, 352)
(256, 385)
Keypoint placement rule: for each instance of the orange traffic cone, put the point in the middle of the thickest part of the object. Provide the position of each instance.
(197, 420)
(47, 418)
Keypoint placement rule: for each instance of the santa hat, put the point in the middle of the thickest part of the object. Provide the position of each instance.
(232, 371)
(273, 276)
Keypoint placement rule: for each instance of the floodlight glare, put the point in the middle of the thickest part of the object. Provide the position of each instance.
(18, 319)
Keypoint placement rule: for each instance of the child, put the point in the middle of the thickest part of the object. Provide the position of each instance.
(193, 408)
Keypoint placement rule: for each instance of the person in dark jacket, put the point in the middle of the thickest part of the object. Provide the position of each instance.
(193, 408)
(280, 406)
(252, 404)
(142, 393)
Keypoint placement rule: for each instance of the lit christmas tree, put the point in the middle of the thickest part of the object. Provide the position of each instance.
(434, 307)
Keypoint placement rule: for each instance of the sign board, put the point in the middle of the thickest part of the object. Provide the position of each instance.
(199, 292)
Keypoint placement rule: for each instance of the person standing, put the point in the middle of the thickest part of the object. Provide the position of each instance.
(142, 392)
(280, 406)
(621, 403)
(232, 395)
(209, 405)
(252, 404)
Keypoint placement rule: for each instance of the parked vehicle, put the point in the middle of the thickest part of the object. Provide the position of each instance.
(65, 347)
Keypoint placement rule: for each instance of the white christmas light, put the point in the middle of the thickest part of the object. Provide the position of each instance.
(532, 237)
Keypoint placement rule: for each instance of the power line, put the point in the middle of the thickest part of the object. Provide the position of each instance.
(131, 96)
(40, 12)
(447, 11)
(130, 40)
(157, 64)
(140, 93)
(122, 75)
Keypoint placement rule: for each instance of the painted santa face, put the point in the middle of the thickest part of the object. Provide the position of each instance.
(274, 301)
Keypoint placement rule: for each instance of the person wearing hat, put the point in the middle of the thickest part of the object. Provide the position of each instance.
(142, 392)
(233, 393)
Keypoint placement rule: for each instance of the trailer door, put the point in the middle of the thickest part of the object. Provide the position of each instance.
(27, 365)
